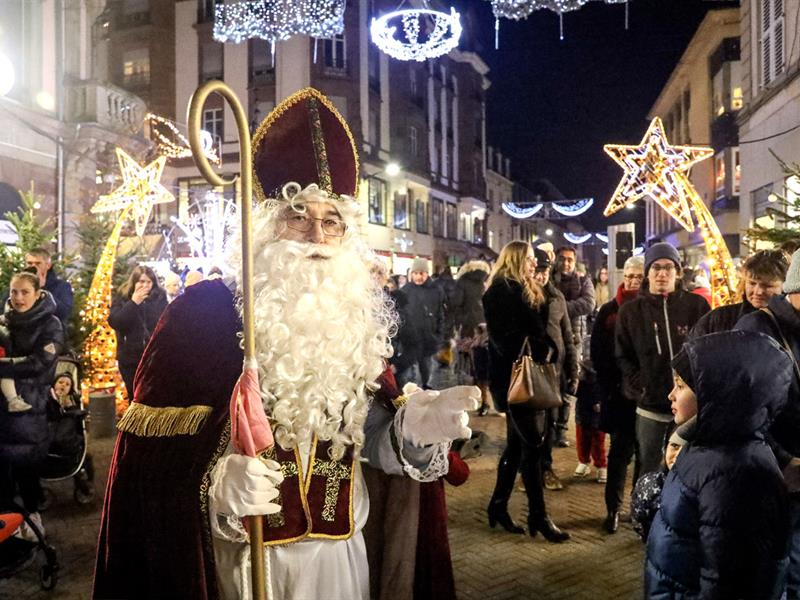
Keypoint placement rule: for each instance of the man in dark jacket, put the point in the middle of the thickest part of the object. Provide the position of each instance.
(60, 290)
(559, 330)
(617, 414)
(445, 282)
(782, 322)
(425, 319)
(649, 333)
(578, 291)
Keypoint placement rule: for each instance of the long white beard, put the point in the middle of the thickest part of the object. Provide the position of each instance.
(322, 334)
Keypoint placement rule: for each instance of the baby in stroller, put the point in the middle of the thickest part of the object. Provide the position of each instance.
(8, 388)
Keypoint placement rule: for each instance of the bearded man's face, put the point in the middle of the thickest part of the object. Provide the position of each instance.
(318, 223)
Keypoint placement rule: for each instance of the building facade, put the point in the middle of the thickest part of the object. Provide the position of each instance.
(698, 106)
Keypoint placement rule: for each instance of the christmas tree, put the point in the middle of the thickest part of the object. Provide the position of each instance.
(785, 211)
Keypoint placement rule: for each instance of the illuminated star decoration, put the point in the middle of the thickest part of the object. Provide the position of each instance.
(140, 190)
(654, 169)
(659, 170)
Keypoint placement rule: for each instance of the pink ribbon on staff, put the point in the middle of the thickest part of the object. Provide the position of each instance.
(251, 433)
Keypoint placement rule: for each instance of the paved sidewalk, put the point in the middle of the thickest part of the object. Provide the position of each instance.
(489, 564)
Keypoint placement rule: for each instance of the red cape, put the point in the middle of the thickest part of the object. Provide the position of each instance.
(154, 535)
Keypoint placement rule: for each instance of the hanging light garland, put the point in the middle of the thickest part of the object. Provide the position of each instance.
(573, 238)
(577, 208)
(602, 237)
(173, 144)
(521, 212)
(277, 20)
(441, 32)
(659, 170)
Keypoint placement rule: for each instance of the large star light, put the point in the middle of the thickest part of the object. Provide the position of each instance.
(659, 170)
(140, 190)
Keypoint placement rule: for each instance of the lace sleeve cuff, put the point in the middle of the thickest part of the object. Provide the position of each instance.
(437, 463)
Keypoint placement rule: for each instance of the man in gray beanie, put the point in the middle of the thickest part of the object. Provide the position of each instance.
(425, 323)
(781, 320)
(649, 332)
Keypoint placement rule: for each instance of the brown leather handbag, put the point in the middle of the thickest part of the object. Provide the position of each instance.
(532, 383)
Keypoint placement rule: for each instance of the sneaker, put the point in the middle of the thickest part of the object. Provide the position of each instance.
(17, 404)
(551, 481)
(561, 441)
(602, 475)
(582, 470)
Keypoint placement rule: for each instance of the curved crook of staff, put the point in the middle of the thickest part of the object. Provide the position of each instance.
(246, 176)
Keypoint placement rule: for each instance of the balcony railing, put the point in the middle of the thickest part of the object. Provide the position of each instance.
(106, 105)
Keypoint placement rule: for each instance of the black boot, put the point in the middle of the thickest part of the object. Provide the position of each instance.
(498, 513)
(498, 505)
(611, 524)
(548, 529)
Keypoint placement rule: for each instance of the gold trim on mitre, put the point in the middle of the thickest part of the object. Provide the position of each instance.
(278, 111)
(150, 421)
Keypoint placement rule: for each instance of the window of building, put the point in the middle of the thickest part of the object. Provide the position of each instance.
(737, 172)
(372, 134)
(374, 68)
(737, 95)
(377, 201)
(413, 143)
(421, 215)
(213, 123)
(261, 67)
(451, 217)
(401, 216)
(334, 49)
(719, 175)
(437, 217)
(412, 80)
(477, 231)
(211, 61)
(136, 67)
(771, 17)
(131, 7)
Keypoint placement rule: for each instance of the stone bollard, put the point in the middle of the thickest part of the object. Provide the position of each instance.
(103, 413)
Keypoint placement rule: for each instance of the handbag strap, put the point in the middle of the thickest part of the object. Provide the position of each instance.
(783, 339)
(527, 344)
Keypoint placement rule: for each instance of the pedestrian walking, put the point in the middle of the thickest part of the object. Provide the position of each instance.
(649, 332)
(135, 311)
(617, 413)
(60, 289)
(723, 526)
(516, 309)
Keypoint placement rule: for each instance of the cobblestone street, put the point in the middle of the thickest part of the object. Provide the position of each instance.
(489, 564)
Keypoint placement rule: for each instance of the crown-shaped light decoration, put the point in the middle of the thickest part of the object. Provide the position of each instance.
(277, 20)
(416, 34)
(140, 190)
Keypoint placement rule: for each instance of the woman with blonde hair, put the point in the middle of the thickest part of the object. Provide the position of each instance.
(516, 310)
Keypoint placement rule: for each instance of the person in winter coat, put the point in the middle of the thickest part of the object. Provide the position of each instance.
(445, 282)
(649, 332)
(617, 413)
(763, 274)
(559, 330)
(579, 294)
(781, 320)
(61, 290)
(516, 309)
(37, 338)
(135, 311)
(723, 526)
(602, 291)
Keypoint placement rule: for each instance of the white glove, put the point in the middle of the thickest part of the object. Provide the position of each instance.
(433, 417)
(246, 486)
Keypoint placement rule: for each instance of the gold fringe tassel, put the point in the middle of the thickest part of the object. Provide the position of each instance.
(148, 421)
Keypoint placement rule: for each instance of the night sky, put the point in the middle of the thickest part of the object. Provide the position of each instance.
(553, 104)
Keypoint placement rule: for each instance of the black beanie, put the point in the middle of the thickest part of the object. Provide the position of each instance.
(683, 368)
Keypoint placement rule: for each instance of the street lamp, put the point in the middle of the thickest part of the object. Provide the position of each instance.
(392, 169)
(548, 231)
(6, 74)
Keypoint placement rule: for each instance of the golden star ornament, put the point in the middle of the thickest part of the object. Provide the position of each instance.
(657, 169)
(140, 190)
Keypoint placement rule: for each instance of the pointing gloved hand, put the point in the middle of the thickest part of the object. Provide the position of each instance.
(433, 417)
(246, 486)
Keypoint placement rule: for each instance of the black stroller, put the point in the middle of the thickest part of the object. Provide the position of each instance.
(67, 456)
(16, 552)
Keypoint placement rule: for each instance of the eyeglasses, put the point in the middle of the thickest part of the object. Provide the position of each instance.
(633, 277)
(666, 268)
(331, 226)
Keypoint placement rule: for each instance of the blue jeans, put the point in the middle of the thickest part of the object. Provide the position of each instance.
(793, 581)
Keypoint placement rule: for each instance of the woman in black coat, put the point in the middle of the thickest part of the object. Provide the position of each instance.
(515, 309)
(135, 312)
(37, 338)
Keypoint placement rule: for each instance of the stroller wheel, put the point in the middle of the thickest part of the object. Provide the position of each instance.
(48, 577)
(84, 493)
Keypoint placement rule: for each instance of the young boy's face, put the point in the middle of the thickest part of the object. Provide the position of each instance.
(671, 454)
(683, 399)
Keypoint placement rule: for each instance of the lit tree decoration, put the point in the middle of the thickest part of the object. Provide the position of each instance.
(660, 171)
(277, 20)
(140, 190)
(441, 32)
(173, 144)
